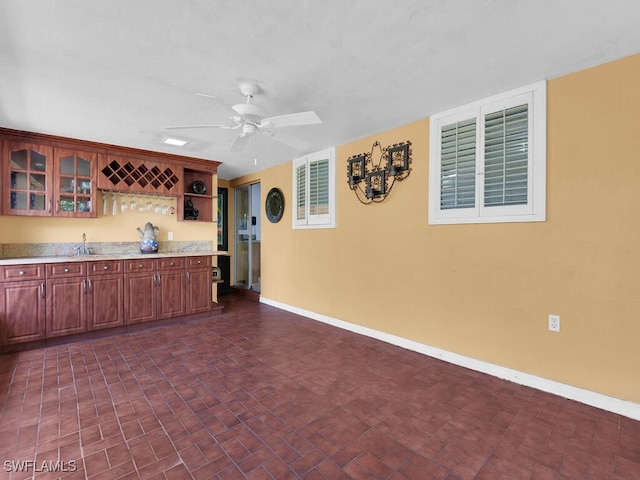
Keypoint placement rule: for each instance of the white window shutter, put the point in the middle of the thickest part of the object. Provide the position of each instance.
(314, 190)
(506, 156)
(488, 160)
(300, 193)
(458, 165)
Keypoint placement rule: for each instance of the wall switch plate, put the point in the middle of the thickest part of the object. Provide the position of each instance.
(554, 323)
(170, 235)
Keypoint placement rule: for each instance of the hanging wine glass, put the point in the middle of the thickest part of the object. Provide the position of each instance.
(114, 207)
(124, 205)
(105, 204)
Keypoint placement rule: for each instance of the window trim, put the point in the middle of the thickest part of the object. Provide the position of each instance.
(314, 221)
(535, 209)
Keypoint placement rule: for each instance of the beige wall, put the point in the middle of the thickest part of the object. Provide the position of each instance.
(485, 291)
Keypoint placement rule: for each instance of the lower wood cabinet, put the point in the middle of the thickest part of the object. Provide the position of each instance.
(84, 296)
(66, 306)
(105, 294)
(22, 303)
(198, 291)
(171, 287)
(140, 294)
(39, 301)
(155, 289)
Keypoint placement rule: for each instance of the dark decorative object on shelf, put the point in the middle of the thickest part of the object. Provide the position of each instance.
(379, 178)
(190, 212)
(274, 205)
(198, 187)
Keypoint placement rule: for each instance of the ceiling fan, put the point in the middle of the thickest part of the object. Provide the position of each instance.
(251, 119)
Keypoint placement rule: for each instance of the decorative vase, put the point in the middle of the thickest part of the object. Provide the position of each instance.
(148, 242)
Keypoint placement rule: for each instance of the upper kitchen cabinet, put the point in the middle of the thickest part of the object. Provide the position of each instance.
(27, 177)
(45, 175)
(75, 183)
(40, 180)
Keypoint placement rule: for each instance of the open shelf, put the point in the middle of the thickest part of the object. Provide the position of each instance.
(202, 202)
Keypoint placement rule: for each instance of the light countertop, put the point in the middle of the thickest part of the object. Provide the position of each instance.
(109, 256)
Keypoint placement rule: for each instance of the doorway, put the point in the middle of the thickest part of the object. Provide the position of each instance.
(247, 236)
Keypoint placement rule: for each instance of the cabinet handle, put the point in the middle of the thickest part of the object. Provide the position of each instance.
(49, 209)
(158, 278)
(84, 287)
(188, 277)
(42, 290)
(57, 206)
(90, 285)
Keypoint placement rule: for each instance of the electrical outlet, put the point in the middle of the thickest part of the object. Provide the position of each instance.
(170, 236)
(554, 323)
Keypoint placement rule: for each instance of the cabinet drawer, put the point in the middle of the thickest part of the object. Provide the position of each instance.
(105, 267)
(171, 263)
(194, 262)
(70, 269)
(140, 265)
(22, 272)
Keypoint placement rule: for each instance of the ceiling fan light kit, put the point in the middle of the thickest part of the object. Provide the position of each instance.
(252, 118)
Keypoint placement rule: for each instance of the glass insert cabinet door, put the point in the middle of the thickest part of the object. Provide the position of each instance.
(75, 187)
(27, 179)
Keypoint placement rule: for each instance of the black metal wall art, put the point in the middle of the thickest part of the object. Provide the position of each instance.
(373, 174)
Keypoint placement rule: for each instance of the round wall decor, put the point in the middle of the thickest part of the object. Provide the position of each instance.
(274, 205)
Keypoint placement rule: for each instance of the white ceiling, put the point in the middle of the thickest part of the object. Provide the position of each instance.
(118, 71)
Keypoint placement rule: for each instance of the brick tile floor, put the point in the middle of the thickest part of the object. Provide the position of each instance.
(259, 393)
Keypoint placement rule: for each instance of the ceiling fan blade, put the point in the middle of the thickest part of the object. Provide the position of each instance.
(226, 127)
(291, 120)
(239, 143)
(287, 140)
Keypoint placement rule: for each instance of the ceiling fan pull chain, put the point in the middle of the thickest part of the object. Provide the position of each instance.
(255, 142)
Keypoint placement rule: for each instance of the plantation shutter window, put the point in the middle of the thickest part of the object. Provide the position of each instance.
(301, 192)
(458, 165)
(319, 187)
(487, 160)
(314, 190)
(506, 154)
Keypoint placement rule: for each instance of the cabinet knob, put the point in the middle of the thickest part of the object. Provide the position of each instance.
(140, 266)
(171, 264)
(21, 272)
(66, 270)
(105, 267)
(198, 262)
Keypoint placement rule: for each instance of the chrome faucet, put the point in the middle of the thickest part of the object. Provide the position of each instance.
(83, 250)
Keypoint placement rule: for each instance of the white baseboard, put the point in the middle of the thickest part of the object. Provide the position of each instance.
(598, 400)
